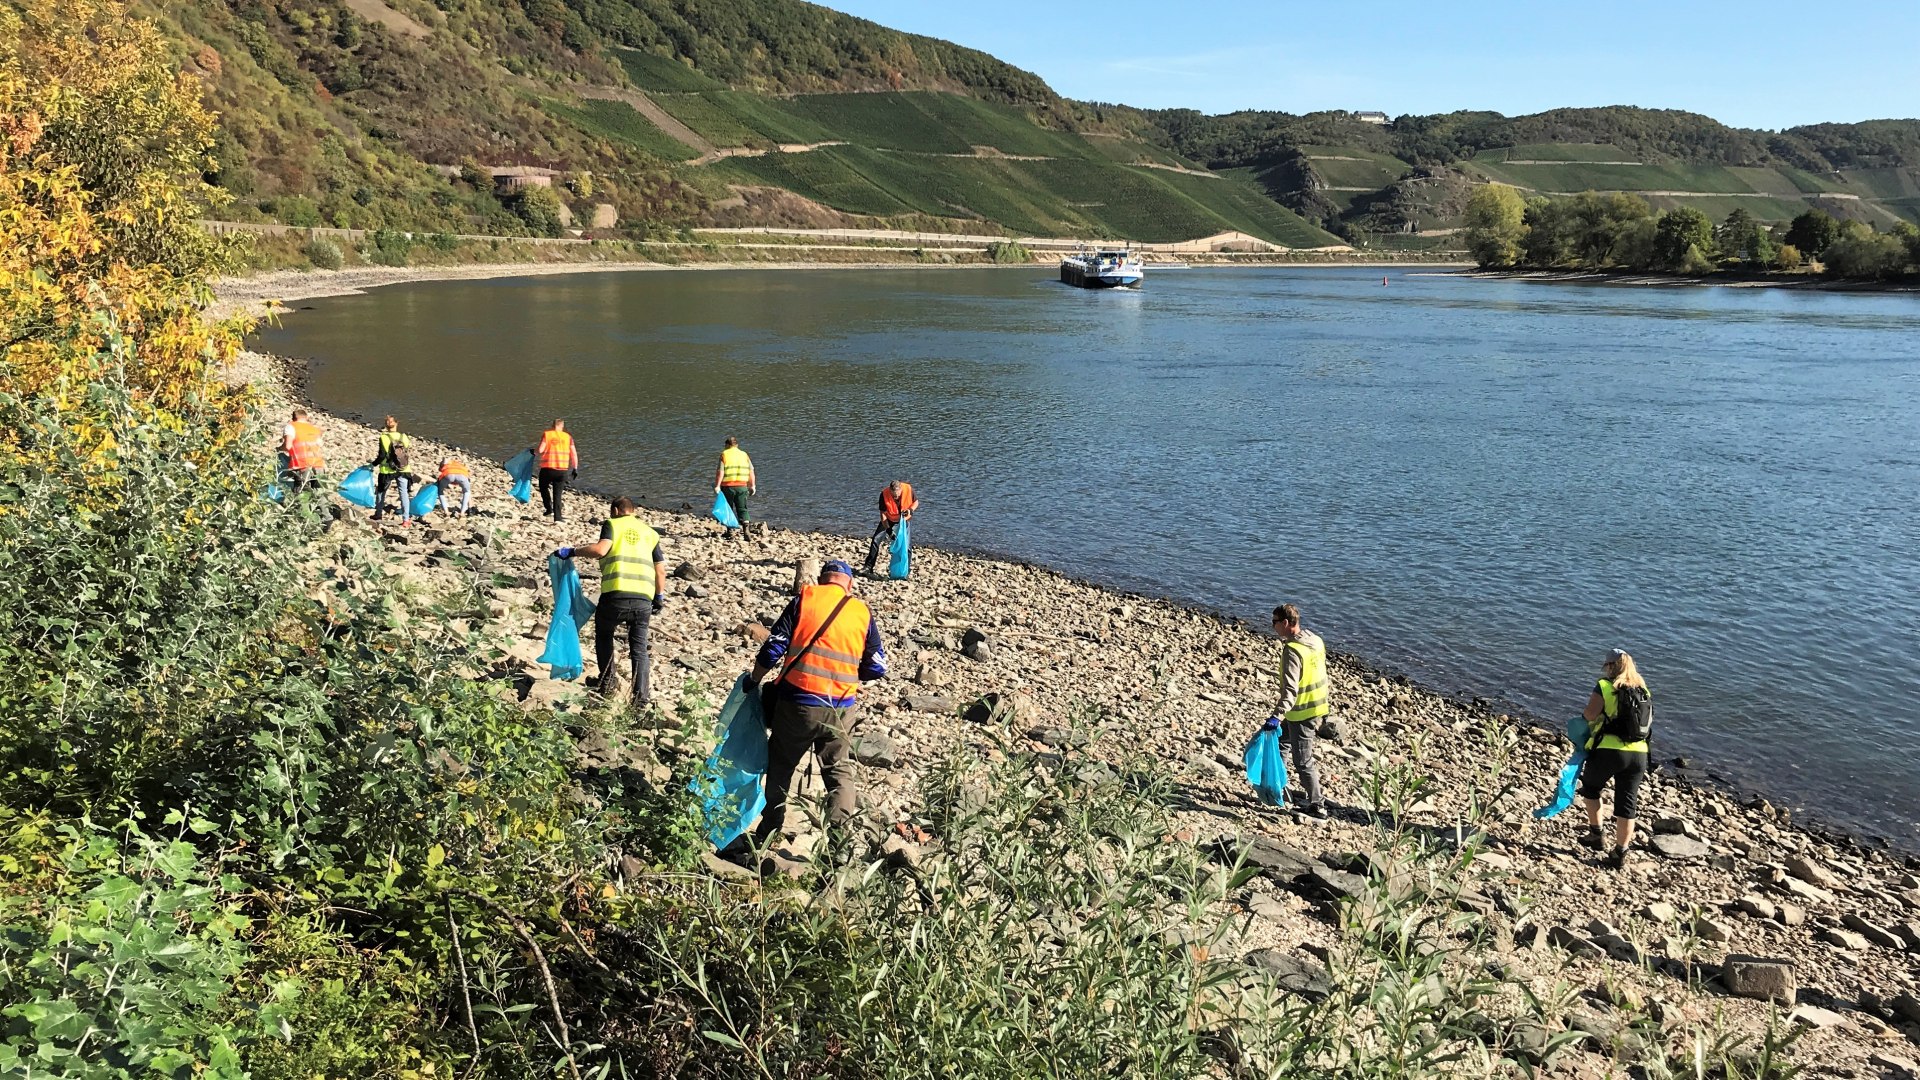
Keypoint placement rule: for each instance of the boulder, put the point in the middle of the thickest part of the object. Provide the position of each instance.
(1678, 846)
(1805, 891)
(1909, 932)
(1811, 872)
(1790, 915)
(1880, 936)
(1844, 939)
(1332, 730)
(974, 646)
(686, 571)
(1334, 884)
(876, 750)
(1906, 1006)
(930, 703)
(1760, 979)
(1282, 862)
(1292, 974)
(1662, 912)
(1712, 930)
(1757, 906)
(1817, 1019)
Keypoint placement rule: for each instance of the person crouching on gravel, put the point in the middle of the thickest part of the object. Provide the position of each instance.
(1620, 715)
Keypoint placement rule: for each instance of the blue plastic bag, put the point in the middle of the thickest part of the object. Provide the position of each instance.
(520, 467)
(1579, 732)
(357, 488)
(723, 511)
(571, 610)
(730, 786)
(425, 499)
(897, 570)
(1267, 767)
(276, 494)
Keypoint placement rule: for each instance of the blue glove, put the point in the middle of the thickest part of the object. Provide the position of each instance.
(563, 552)
(1272, 724)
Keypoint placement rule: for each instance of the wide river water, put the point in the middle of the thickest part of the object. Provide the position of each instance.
(1484, 484)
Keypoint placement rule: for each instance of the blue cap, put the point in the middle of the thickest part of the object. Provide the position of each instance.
(835, 566)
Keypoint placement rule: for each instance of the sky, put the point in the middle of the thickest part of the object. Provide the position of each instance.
(1759, 64)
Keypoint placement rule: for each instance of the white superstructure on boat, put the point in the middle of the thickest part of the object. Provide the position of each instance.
(1102, 268)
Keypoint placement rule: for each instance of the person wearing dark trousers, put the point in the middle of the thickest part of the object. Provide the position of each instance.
(1619, 714)
(559, 462)
(897, 504)
(632, 586)
(826, 643)
(735, 480)
(391, 457)
(1304, 700)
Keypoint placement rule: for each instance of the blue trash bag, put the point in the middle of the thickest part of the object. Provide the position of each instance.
(1579, 732)
(520, 467)
(357, 488)
(425, 500)
(276, 494)
(723, 511)
(902, 560)
(1267, 767)
(571, 610)
(729, 786)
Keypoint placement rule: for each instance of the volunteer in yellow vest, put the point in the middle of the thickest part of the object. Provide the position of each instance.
(300, 453)
(454, 473)
(392, 465)
(559, 461)
(735, 480)
(632, 583)
(1304, 701)
(826, 644)
(1619, 704)
(897, 504)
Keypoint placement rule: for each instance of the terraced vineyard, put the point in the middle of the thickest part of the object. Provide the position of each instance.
(618, 121)
(651, 72)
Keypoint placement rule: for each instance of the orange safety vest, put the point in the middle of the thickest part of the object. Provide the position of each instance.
(831, 667)
(304, 451)
(454, 468)
(556, 450)
(891, 508)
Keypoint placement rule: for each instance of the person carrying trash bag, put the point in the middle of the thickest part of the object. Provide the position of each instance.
(300, 453)
(826, 643)
(559, 461)
(897, 504)
(1619, 715)
(632, 580)
(1304, 700)
(392, 456)
(454, 473)
(735, 480)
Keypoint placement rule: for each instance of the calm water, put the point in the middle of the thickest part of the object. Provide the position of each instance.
(1484, 484)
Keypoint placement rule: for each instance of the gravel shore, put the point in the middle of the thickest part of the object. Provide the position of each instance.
(1717, 879)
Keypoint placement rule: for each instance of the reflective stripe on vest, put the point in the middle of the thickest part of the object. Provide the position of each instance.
(1312, 700)
(736, 468)
(556, 450)
(1610, 708)
(305, 451)
(627, 567)
(831, 668)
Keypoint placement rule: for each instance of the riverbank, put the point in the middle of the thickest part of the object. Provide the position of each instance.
(1729, 280)
(1068, 661)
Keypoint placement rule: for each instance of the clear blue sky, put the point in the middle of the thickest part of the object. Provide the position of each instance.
(1762, 63)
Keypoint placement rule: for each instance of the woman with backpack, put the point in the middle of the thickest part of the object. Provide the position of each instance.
(1620, 716)
(392, 455)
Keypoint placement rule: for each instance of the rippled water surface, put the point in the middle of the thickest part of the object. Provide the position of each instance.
(1485, 484)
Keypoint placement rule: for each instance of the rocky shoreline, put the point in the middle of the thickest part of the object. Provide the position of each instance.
(1729, 904)
(1726, 279)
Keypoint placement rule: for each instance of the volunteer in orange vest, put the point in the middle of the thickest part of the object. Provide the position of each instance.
(825, 644)
(559, 461)
(454, 473)
(300, 453)
(735, 480)
(897, 504)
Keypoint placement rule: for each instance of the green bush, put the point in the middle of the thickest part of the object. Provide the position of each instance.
(388, 247)
(324, 254)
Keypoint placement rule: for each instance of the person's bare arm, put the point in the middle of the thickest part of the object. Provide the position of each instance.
(1595, 711)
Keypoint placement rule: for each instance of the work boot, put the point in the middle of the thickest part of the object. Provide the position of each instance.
(1595, 838)
(1617, 860)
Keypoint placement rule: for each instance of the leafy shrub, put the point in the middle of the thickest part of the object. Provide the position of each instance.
(1008, 252)
(388, 247)
(324, 254)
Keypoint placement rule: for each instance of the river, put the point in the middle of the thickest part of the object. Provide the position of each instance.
(1484, 484)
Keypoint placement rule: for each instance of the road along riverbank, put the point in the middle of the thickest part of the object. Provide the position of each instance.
(1726, 906)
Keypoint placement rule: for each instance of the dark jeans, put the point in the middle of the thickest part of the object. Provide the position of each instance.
(382, 481)
(553, 485)
(1626, 770)
(295, 481)
(888, 529)
(737, 499)
(1297, 737)
(634, 613)
(794, 730)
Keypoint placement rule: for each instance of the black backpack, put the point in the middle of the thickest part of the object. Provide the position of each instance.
(397, 452)
(1632, 720)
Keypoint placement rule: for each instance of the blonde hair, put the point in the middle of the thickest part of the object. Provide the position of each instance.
(1621, 671)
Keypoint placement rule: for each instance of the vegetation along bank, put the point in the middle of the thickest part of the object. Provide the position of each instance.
(282, 795)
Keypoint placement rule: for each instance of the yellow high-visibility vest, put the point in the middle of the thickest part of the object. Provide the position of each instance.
(627, 567)
(1312, 702)
(736, 468)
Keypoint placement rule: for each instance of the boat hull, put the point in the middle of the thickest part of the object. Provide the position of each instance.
(1073, 274)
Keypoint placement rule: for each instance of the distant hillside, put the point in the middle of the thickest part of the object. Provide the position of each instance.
(1414, 173)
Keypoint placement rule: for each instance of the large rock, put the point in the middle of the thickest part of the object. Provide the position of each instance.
(998, 708)
(1294, 975)
(1844, 939)
(974, 646)
(1760, 979)
(1678, 846)
(1282, 862)
(1909, 932)
(930, 703)
(876, 750)
(1879, 935)
(687, 571)
(1811, 872)
(1807, 891)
